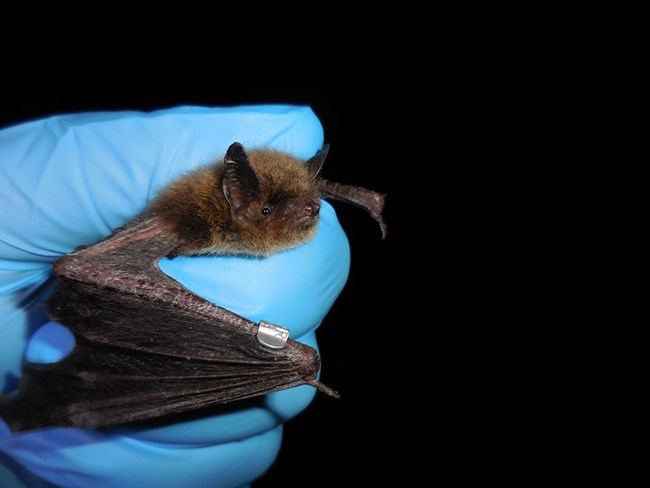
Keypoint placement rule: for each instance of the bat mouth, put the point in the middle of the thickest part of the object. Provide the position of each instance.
(307, 226)
(307, 222)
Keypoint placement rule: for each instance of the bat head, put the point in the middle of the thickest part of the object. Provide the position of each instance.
(274, 199)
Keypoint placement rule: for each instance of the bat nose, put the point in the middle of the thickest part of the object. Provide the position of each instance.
(311, 209)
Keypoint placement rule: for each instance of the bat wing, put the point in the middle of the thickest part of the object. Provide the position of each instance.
(146, 346)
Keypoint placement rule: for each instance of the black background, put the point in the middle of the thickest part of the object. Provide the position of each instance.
(468, 346)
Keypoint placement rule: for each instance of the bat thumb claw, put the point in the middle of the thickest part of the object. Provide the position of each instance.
(326, 389)
(382, 225)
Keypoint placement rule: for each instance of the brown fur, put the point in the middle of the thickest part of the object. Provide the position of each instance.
(197, 207)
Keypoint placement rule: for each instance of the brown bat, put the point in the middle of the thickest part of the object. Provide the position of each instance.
(146, 346)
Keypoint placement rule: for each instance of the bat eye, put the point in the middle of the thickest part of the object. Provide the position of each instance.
(266, 211)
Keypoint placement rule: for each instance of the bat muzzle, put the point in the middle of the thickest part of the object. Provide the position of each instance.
(311, 209)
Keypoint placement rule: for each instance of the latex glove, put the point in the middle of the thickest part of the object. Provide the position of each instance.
(69, 180)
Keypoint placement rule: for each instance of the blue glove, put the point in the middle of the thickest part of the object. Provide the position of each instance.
(69, 180)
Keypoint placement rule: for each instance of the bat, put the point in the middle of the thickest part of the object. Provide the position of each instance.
(146, 346)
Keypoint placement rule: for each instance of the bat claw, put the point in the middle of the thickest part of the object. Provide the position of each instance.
(326, 389)
(382, 225)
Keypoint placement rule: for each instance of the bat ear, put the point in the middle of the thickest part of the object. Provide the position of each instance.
(315, 163)
(240, 182)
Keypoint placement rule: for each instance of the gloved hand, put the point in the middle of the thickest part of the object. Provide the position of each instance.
(69, 180)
